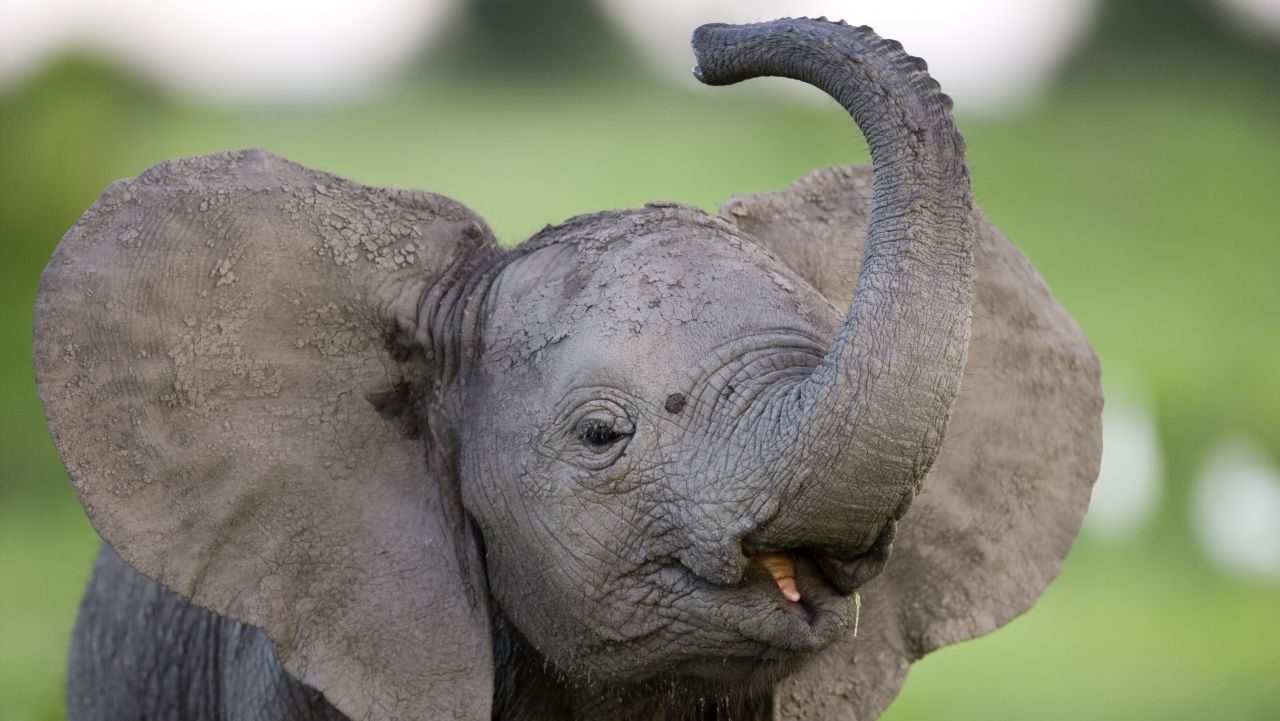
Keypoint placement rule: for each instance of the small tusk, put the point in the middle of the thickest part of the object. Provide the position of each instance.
(783, 569)
(857, 611)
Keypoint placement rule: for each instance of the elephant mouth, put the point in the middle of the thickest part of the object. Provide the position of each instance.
(792, 606)
(788, 603)
(743, 634)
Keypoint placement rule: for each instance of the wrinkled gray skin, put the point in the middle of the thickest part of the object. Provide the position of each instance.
(351, 452)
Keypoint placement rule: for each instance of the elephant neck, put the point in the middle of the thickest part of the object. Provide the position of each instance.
(529, 688)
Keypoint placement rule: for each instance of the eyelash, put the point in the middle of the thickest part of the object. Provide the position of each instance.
(597, 433)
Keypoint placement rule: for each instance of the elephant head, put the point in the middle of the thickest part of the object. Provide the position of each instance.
(643, 459)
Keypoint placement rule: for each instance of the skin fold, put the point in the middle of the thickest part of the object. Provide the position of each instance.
(352, 459)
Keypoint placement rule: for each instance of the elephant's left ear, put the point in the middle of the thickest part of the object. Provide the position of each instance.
(231, 361)
(1003, 502)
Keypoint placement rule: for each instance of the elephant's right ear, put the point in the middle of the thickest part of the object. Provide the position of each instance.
(230, 357)
(1002, 503)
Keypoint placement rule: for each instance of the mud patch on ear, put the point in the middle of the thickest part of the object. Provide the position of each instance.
(402, 405)
(401, 347)
(675, 403)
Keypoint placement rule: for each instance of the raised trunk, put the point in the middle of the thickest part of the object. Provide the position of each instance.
(849, 446)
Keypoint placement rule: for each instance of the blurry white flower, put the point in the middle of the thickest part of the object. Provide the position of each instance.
(1237, 508)
(229, 49)
(1261, 17)
(987, 54)
(1130, 482)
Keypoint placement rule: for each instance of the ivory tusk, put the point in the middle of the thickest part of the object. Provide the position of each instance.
(783, 569)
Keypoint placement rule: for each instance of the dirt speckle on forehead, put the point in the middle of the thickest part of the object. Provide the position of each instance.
(624, 273)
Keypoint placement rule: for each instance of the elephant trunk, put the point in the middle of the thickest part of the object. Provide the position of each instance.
(848, 447)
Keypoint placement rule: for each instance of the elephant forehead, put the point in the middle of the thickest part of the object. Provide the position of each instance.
(657, 282)
(646, 308)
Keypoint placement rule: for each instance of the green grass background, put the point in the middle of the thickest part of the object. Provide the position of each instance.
(1148, 198)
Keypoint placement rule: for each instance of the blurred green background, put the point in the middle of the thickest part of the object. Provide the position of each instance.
(1143, 184)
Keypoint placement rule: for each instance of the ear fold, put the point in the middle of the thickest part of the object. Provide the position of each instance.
(225, 347)
(1003, 503)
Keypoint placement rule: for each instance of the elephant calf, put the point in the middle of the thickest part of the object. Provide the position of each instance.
(358, 461)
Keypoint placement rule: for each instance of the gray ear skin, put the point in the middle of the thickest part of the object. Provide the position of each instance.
(231, 363)
(1003, 503)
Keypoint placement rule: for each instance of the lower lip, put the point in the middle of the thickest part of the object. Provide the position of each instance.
(771, 627)
(761, 614)
(801, 627)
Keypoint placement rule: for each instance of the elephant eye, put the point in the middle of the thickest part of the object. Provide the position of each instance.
(597, 432)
